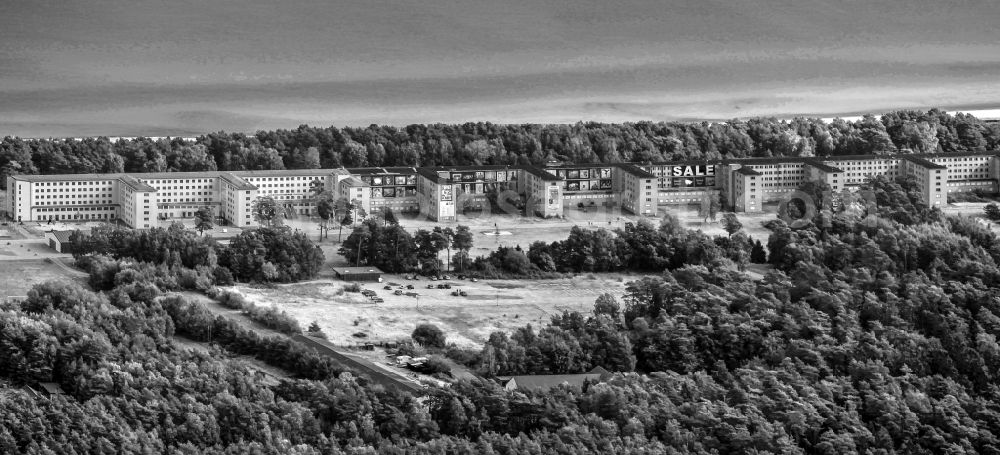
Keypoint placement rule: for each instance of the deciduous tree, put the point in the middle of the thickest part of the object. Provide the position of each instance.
(204, 219)
(265, 211)
(731, 223)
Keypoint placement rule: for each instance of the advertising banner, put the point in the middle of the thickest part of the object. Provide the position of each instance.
(700, 175)
(553, 196)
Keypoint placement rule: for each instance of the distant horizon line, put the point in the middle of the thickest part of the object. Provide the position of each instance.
(981, 114)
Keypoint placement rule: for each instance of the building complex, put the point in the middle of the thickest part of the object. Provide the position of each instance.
(142, 200)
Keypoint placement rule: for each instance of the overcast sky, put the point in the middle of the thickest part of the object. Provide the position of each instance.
(183, 67)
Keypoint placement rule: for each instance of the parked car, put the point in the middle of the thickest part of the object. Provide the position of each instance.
(454, 293)
(398, 292)
(461, 277)
(446, 277)
(409, 286)
(463, 293)
(388, 288)
(474, 279)
(447, 286)
(430, 286)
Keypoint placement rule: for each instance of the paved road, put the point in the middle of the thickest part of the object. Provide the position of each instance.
(326, 349)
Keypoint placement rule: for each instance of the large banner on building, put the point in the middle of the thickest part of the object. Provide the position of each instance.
(585, 179)
(695, 175)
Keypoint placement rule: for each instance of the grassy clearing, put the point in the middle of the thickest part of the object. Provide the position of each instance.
(19, 276)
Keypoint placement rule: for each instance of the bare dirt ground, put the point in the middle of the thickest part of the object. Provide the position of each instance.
(27, 248)
(491, 305)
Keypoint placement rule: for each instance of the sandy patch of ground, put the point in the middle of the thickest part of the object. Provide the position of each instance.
(491, 305)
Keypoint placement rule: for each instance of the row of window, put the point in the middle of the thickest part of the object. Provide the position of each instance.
(103, 201)
(77, 183)
(280, 179)
(79, 216)
(74, 190)
(173, 181)
(71, 196)
(78, 209)
(187, 187)
(188, 199)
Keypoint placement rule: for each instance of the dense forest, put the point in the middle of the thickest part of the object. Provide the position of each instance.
(875, 331)
(487, 143)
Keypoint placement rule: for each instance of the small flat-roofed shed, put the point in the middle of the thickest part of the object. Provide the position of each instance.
(358, 273)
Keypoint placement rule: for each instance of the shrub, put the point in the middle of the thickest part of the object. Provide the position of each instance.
(187, 279)
(213, 292)
(353, 287)
(429, 335)
(462, 356)
(194, 320)
(273, 318)
(223, 277)
(436, 365)
(142, 291)
(102, 270)
(409, 349)
(315, 330)
(232, 300)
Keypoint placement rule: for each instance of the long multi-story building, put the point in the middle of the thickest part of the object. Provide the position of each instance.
(445, 193)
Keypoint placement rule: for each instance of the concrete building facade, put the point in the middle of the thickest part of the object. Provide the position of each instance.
(445, 193)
